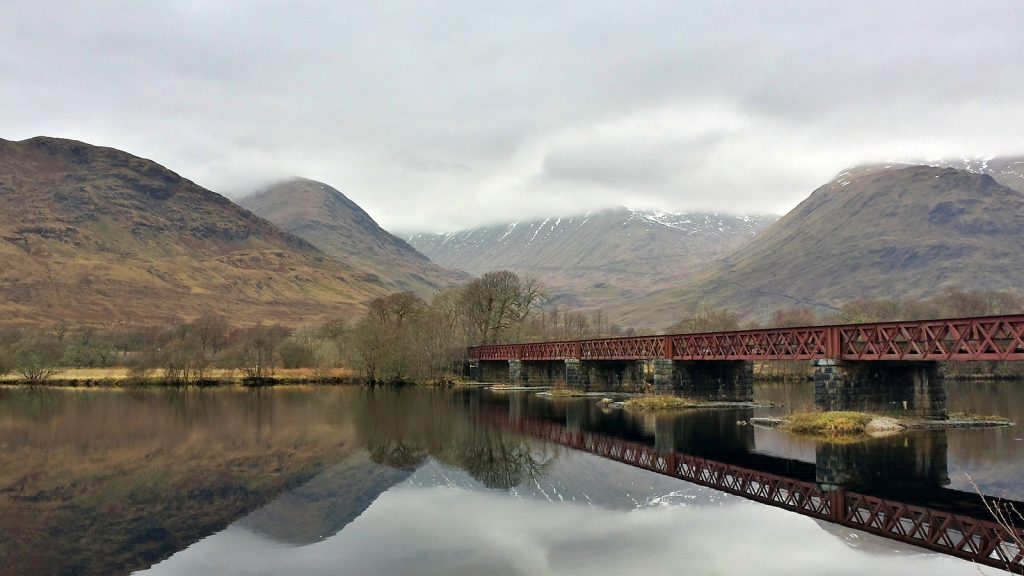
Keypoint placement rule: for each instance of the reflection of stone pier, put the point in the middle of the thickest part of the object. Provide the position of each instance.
(907, 461)
(714, 431)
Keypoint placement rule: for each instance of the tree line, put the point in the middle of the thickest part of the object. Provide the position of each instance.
(404, 337)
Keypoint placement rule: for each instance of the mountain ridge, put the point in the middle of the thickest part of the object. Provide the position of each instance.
(329, 220)
(98, 236)
(893, 231)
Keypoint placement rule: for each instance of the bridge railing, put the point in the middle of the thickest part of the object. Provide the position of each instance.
(956, 339)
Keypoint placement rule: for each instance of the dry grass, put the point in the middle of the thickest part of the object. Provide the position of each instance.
(121, 373)
(565, 392)
(658, 403)
(828, 423)
(968, 417)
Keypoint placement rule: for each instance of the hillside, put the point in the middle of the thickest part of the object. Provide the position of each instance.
(874, 231)
(95, 235)
(328, 220)
(596, 259)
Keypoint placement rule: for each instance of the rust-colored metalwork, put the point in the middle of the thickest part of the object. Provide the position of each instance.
(957, 339)
(978, 540)
(994, 338)
(635, 348)
(778, 344)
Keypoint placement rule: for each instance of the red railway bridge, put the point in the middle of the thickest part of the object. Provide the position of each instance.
(884, 366)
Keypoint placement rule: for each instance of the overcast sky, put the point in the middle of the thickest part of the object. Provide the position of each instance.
(444, 115)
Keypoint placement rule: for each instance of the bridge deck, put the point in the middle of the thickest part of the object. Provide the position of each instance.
(954, 339)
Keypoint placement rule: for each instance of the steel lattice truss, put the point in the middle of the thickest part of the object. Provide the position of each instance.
(958, 339)
(978, 540)
(779, 344)
(637, 348)
(997, 338)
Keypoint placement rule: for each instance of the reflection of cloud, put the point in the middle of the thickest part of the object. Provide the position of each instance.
(441, 530)
(447, 531)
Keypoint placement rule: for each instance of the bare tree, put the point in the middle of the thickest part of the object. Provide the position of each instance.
(789, 317)
(707, 319)
(38, 357)
(497, 302)
(395, 307)
(255, 351)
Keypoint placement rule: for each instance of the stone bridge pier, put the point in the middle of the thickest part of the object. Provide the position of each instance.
(497, 371)
(727, 381)
(707, 380)
(912, 389)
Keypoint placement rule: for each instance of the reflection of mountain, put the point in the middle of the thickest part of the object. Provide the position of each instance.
(82, 495)
(586, 479)
(323, 506)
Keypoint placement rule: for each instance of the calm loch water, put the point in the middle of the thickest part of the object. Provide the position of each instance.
(409, 481)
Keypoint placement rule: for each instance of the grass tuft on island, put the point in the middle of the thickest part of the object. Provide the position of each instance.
(828, 423)
(968, 417)
(849, 426)
(658, 403)
(567, 393)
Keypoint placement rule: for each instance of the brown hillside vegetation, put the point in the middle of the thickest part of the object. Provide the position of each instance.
(97, 236)
(336, 225)
(904, 232)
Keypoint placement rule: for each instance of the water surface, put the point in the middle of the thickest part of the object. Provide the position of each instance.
(408, 481)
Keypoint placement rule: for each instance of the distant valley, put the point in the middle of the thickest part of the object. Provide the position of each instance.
(599, 258)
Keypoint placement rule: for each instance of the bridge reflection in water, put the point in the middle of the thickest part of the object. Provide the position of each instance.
(904, 502)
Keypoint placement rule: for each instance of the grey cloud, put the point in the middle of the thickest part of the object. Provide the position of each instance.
(454, 114)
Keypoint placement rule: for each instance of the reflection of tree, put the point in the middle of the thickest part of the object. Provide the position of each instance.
(398, 455)
(31, 403)
(400, 428)
(388, 423)
(498, 462)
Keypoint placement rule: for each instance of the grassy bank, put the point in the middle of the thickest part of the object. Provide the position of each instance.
(121, 377)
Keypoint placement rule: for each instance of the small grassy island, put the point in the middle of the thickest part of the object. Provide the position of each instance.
(670, 403)
(658, 403)
(851, 426)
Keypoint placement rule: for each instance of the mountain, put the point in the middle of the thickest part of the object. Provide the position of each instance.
(597, 258)
(340, 228)
(873, 231)
(95, 235)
